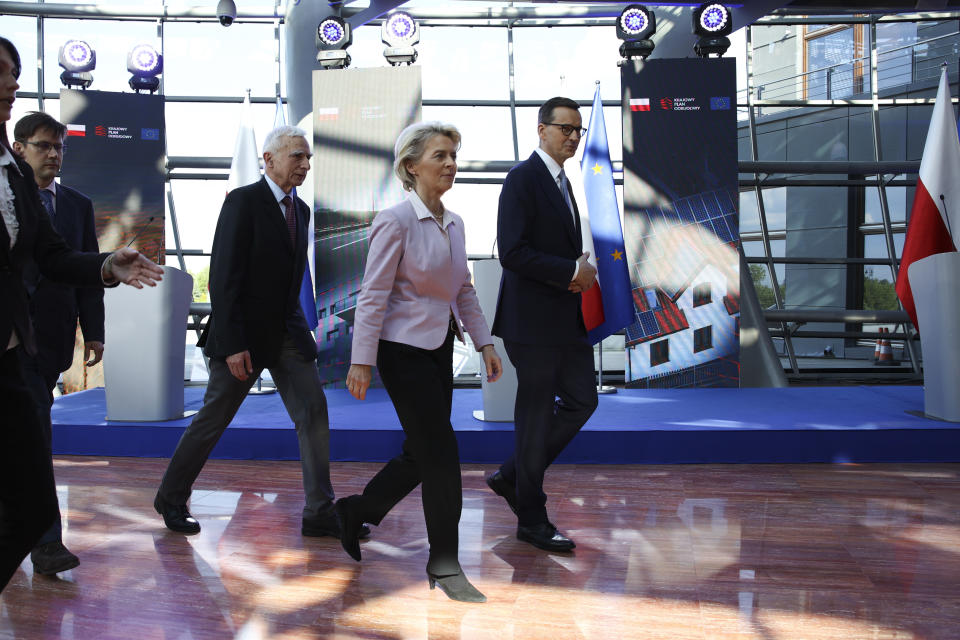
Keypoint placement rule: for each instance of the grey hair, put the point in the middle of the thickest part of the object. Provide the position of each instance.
(412, 143)
(274, 140)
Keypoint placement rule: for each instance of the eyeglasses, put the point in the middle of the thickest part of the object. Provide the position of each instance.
(566, 129)
(44, 147)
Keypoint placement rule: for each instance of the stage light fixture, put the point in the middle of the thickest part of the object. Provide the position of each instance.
(635, 26)
(145, 63)
(78, 59)
(333, 38)
(400, 32)
(712, 23)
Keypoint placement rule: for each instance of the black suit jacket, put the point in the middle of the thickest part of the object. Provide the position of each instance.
(37, 241)
(255, 277)
(539, 244)
(54, 306)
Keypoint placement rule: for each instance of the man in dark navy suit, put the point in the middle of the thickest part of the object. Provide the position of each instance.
(54, 306)
(540, 320)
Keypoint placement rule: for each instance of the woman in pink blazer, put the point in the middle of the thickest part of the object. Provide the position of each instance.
(415, 300)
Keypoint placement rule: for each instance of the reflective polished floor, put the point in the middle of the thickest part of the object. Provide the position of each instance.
(705, 552)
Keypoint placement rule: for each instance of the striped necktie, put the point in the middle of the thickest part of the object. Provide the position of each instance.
(290, 213)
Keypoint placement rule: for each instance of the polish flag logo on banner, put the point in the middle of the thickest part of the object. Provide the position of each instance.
(79, 130)
(640, 104)
(327, 113)
(934, 218)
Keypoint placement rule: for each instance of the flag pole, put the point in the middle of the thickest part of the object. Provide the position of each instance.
(602, 388)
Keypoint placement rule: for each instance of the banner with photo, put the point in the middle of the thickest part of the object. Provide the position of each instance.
(680, 222)
(115, 156)
(357, 116)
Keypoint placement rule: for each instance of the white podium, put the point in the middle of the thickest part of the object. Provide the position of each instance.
(144, 356)
(498, 397)
(935, 281)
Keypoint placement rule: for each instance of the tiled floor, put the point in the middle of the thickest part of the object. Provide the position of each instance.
(702, 552)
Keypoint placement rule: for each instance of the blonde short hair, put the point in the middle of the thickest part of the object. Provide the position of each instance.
(412, 143)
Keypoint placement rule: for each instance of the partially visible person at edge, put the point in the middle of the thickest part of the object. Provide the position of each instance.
(27, 490)
(54, 307)
(416, 298)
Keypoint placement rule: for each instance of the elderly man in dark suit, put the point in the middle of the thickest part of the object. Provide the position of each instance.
(256, 267)
(55, 307)
(539, 318)
(27, 507)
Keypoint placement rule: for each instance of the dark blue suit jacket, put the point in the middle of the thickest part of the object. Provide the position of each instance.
(255, 277)
(55, 307)
(539, 245)
(38, 243)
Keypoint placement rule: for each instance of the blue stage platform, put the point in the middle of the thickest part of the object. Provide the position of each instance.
(802, 424)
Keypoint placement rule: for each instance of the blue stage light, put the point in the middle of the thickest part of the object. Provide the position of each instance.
(400, 28)
(144, 60)
(332, 32)
(145, 63)
(635, 26)
(77, 55)
(333, 38)
(78, 59)
(712, 23)
(400, 32)
(633, 21)
(714, 18)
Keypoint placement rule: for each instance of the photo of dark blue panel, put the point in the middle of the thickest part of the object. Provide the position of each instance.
(648, 321)
(699, 210)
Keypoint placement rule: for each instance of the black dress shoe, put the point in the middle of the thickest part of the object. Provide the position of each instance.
(457, 587)
(176, 516)
(351, 526)
(545, 536)
(328, 526)
(499, 485)
(52, 558)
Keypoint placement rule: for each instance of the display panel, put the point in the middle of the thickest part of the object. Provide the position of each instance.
(680, 222)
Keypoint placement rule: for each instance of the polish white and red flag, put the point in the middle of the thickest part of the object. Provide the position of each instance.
(245, 165)
(327, 113)
(935, 218)
(77, 130)
(640, 104)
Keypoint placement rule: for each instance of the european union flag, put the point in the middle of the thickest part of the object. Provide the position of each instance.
(720, 103)
(307, 301)
(604, 225)
(149, 133)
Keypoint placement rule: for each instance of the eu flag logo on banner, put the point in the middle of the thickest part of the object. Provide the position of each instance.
(720, 103)
(608, 306)
(149, 134)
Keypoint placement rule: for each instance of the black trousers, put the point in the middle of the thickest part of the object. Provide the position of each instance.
(556, 395)
(41, 376)
(420, 384)
(28, 503)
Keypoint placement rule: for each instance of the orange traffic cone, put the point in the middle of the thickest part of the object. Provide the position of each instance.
(876, 350)
(886, 352)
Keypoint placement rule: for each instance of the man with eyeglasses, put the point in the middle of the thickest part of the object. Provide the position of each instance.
(55, 307)
(540, 321)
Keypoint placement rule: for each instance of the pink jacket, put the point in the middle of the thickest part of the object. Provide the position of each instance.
(412, 282)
